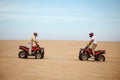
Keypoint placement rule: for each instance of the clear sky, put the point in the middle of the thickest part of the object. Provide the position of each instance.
(60, 19)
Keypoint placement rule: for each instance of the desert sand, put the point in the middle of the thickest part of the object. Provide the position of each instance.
(60, 62)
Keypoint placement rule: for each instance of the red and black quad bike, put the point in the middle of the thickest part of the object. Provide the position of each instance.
(86, 53)
(37, 51)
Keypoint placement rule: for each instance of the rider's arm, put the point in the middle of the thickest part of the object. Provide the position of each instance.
(90, 42)
(34, 39)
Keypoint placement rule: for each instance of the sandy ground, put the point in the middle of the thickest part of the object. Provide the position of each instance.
(60, 62)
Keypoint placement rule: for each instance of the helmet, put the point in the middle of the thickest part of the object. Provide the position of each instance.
(35, 33)
(91, 34)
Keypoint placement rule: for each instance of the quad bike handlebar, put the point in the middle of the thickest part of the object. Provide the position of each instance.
(87, 47)
(37, 44)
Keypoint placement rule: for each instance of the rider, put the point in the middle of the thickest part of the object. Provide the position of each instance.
(92, 42)
(32, 41)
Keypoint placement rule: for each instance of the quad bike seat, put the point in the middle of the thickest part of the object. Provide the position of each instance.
(102, 51)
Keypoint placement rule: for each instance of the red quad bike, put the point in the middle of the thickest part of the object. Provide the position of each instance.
(86, 53)
(37, 51)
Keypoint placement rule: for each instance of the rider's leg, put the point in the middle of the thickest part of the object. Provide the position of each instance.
(93, 48)
(30, 48)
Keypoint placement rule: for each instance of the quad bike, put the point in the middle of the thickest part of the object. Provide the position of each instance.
(86, 53)
(36, 51)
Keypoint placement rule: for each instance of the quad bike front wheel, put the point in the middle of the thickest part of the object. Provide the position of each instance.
(100, 57)
(38, 55)
(22, 54)
(83, 57)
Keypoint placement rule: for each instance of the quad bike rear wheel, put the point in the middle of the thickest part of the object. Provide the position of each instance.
(100, 57)
(22, 54)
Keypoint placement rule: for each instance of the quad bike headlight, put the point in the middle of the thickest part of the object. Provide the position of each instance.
(81, 51)
(42, 50)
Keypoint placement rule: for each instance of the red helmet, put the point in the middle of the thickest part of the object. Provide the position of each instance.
(91, 34)
(35, 33)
